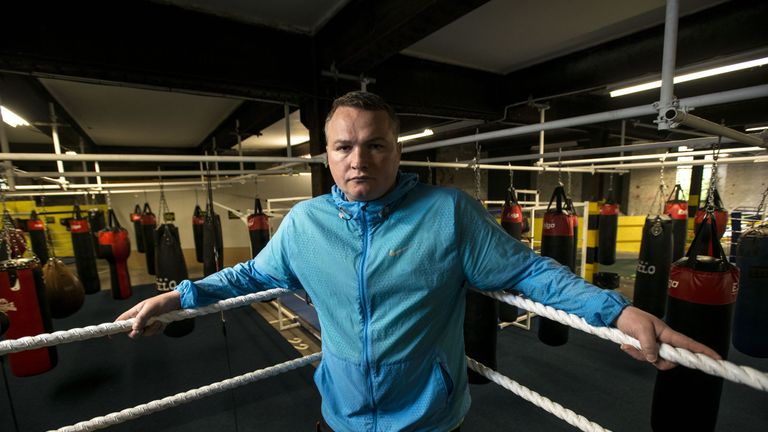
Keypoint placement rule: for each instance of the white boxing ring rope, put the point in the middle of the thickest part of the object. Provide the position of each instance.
(721, 368)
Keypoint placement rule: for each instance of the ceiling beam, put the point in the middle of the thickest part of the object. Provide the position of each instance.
(367, 32)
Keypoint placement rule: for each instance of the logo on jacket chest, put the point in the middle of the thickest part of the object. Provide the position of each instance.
(398, 251)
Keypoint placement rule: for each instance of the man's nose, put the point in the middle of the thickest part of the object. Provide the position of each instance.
(360, 157)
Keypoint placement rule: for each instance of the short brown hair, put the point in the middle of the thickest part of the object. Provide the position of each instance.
(365, 101)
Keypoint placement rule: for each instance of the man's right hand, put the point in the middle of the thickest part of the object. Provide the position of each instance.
(149, 308)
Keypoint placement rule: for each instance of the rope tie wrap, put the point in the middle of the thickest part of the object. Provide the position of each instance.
(106, 329)
(540, 401)
(114, 418)
(720, 368)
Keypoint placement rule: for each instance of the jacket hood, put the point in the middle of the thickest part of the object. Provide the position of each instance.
(382, 206)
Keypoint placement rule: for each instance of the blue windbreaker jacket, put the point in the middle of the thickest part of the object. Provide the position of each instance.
(388, 279)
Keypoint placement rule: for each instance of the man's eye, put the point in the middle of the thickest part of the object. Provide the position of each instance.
(343, 148)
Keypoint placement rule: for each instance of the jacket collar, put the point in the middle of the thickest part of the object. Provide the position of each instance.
(379, 208)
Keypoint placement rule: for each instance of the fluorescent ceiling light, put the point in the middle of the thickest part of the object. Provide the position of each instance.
(11, 118)
(756, 128)
(427, 132)
(692, 76)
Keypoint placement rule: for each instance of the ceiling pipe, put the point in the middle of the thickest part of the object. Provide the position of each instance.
(677, 116)
(145, 173)
(471, 165)
(691, 143)
(723, 97)
(653, 156)
(666, 93)
(152, 158)
(7, 170)
(724, 160)
(111, 192)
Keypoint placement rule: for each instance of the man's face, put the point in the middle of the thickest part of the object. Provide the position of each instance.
(363, 153)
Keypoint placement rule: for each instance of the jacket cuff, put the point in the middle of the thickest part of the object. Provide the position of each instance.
(188, 294)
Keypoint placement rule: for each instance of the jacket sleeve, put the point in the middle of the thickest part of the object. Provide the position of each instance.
(493, 260)
(269, 269)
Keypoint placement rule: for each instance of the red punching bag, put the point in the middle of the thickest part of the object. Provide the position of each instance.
(677, 208)
(22, 295)
(607, 232)
(258, 229)
(557, 242)
(36, 230)
(138, 231)
(115, 247)
(720, 216)
(85, 253)
(148, 226)
(198, 219)
(701, 297)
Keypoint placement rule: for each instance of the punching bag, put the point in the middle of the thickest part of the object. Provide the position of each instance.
(115, 247)
(512, 222)
(138, 231)
(750, 320)
(213, 253)
(574, 220)
(720, 217)
(557, 242)
(171, 269)
(36, 230)
(21, 284)
(96, 223)
(480, 332)
(148, 226)
(85, 255)
(653, 263)
(702, 293)
(63, 290)
(258, 229)
(12, 235)
(677, 209)
(607, 231)
(198, 219)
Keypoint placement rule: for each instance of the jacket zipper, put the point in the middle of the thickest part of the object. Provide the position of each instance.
(366, 313)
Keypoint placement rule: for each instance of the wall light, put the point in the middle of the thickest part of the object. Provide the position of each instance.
(692, 76)
(426, 132)
(11, 118)
(756, 128)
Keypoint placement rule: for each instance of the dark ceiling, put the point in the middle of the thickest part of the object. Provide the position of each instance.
(157, 46)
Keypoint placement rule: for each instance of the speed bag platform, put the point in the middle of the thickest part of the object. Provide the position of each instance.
(701, 297)
(171, 269)
(750, 319)
(22, 298)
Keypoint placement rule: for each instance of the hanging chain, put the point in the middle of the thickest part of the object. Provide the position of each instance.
(661, 192)
(476, 169)
(560, 166)
(163, 206)
(762, 204)
(569, 183)
(429, 172)
(6, 228)
(48, 234)
(610, 183)
(713, 176)
(511, 177)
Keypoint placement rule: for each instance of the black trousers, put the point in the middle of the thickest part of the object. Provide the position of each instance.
(322, 426)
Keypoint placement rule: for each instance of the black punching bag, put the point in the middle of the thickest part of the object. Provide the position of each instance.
(170, 270)
(607, 231)
(750, 321)
(36, 230)
(480, 332)
(702, 293)
(96, 223)
(198, 219)
(148, 226)
(115, 247)
(258, 229)
(653, 263)
(557, 242)
(677, 209)
(720, 218)
(512, 222)
(138, 231)
(21, 285)
(85, 252)
(213, 253)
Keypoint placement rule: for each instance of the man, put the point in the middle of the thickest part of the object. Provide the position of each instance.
(387, 261)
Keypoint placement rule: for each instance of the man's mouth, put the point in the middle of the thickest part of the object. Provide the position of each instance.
(360, 178)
